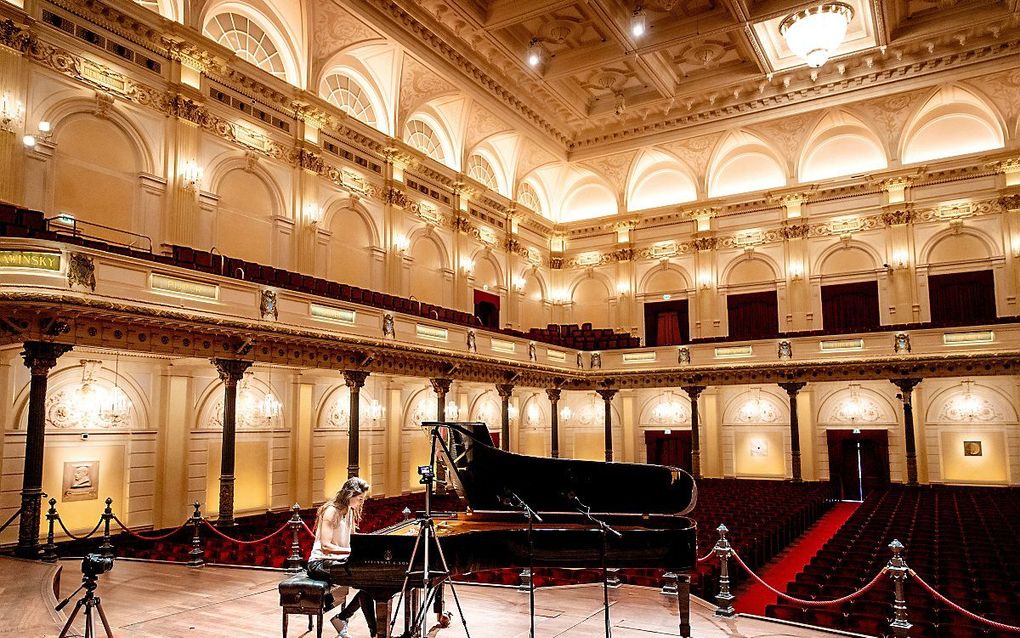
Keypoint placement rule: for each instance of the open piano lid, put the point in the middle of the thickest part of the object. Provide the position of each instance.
(484, 475)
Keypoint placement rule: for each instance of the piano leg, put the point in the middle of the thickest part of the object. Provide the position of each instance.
(683, 599)
(383, 615)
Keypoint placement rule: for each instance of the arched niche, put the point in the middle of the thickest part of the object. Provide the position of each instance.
(664, 280)
(588, 199)
(747, 271)
(954, 121)
(840, 145)
(589, 297)
(428, 267)
(744, 163)
(658, 179)
(954, 247)
(846, 258)
(757, 406)
(351, 242)
(95, 171)
(247, 200)
(533, 296)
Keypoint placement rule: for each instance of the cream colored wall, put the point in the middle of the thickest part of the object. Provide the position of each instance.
(772, 450)
(989, 468)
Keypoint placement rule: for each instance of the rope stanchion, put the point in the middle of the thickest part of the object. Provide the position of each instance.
(160, 537)
(49, 554)
(810, 603)
(294, 560)
(710, 554)
(72, 536)
(196, 556)
(969, 614)
(106, 548)
(254, 541)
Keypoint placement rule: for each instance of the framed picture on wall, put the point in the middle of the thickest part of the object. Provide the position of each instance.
(972, 448)
(81, 481)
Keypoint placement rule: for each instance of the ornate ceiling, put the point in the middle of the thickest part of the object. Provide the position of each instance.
(700, 60)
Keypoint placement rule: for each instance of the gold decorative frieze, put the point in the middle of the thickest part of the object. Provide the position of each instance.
(184, 287)
(329, 313)
(29, 259)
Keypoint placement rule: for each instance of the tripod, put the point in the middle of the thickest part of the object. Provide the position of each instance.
(88, 601)
(426, 536)
(605, 530)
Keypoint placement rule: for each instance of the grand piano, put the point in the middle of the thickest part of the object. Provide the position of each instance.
(645, 503)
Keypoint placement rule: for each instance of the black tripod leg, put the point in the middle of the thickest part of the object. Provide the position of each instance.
(70, 619)
(453, 590)
(102, 617)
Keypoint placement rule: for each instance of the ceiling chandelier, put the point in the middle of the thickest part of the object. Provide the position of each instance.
(813, 34)
(270, 407)
(669, 410)
(967, 406)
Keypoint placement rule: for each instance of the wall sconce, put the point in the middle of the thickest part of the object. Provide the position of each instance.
(1015, 244)
(622, 288)
(28, 141)
(518, 284)
(402, 243)
(375, 410)
(705, 280)
(796, 271)
(45, 130)
(468, 265)
(11, 112)
(566, 414)
(191, 173)
(313, 213)
(900, 259)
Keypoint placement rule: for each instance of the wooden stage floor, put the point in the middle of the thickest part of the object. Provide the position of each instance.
(149, 600)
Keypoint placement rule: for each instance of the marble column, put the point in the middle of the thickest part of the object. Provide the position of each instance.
(40, 357)
(554, 420)
(231, 371)
(694, 391)
(792, 388)
(906, 387)
(504, 390)
(607, 395)
(355, 380)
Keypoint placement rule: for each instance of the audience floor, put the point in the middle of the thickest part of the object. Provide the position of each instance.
(146, 600)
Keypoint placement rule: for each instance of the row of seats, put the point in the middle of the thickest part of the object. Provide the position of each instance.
(961, 540)
(583, 337)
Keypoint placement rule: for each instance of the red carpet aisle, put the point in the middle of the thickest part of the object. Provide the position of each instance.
(754, 599)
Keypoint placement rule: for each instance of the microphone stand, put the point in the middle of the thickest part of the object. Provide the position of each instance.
(605, 529)
(514, 499)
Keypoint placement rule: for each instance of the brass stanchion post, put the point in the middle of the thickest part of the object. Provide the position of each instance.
(724, 598)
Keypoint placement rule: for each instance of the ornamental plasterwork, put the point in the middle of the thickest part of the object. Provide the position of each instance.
(338, 417)
(84, 407)
(247, 414)
(964, 408)
(857, 410)
(757, 410)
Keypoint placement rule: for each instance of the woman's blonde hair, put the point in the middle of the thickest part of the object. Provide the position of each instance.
(342, 501)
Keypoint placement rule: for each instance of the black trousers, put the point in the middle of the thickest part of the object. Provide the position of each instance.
(320, 570)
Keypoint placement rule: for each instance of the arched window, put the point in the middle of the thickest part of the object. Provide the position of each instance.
(528, 196)
(481, 171)
(421, 136)
(349, 96)
(248, 41)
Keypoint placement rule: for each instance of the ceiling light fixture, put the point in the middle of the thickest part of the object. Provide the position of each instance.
(534, 53)
(813, 34)
(638, 22)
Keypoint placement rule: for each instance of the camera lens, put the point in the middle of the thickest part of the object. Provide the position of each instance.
(93, 565)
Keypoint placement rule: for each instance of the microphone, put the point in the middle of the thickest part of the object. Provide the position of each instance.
(511, 499)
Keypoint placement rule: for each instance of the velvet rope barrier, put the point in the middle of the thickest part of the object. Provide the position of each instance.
(310, 531)
(710, 554)
(79, 538)
(161, 537)
(10, 520)
(282, 528)
(810, 603)
(969, 614)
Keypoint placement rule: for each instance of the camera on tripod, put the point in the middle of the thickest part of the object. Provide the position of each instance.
(94, 565)
(427, 474)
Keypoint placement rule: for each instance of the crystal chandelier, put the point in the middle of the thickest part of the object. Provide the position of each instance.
(452, 411)
(117, 404)
(270, 407)
(852, 408)
(669, 410)
(967, 405)
(813, 34)
(89, 397)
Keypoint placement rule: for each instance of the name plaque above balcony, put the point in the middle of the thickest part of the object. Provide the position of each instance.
(432, 332)
(328, 313)
(639, 357)
(502, 345)
(968, 338)
(841, 345)
(184, 287)
(556, 355)
(733, 352)
(18, 259)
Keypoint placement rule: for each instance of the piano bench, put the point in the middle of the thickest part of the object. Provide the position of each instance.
(301, 595)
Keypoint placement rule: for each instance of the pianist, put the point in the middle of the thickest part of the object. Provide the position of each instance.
(337, 519)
